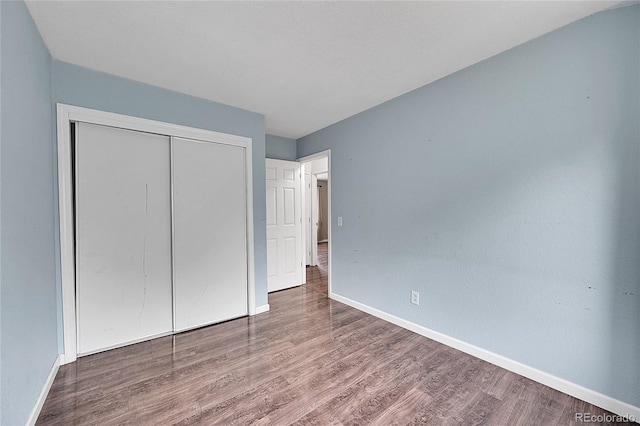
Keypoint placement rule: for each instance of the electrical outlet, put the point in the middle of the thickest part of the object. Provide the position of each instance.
(415, 297)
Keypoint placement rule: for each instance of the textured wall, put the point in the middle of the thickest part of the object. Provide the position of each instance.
(508, 195)
(28, 281)
(280, 148)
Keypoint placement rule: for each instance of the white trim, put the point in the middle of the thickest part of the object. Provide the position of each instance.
(307, 158)
(303, 222)
(67, 114)
(35, 411)
(315, 219)
(67, 246)
(130, 342)
(173, 238)
(104, 118)
(251, 283)
(261, 309)
(596, 398)
(62, 361)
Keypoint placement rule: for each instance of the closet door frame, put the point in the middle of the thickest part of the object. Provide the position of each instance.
(68, 114)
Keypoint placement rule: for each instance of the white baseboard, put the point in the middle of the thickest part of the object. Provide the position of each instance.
(262, 309)
(35, 412)
(67, 359)
(596, 398)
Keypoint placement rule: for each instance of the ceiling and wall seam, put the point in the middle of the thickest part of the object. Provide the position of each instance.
(304, 65)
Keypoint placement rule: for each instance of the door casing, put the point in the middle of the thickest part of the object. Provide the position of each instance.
(68, 114)
(307, 160)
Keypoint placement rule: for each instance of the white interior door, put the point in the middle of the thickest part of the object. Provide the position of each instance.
(209, 230)
(123, 237)
(284, 224)
(307, 224)
(314, 218)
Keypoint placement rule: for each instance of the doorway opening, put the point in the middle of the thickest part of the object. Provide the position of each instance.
(317, 221)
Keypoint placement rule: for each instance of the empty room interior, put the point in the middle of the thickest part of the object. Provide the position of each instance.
(320, 212)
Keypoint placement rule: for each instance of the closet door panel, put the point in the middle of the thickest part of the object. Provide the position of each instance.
(123, 237)
(209, 220)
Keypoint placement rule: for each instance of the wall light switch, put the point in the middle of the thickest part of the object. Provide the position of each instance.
(339, 220)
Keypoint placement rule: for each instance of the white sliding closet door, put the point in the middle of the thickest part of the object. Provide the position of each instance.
(209, 225)
(123, 236)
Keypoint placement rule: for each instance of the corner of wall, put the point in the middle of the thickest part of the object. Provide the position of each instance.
(26, 239)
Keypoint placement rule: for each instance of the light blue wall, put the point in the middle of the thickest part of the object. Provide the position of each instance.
(280, 148)
(83, 87)
(28, 282)
(0, 213)
(31, 330)
(508, 195)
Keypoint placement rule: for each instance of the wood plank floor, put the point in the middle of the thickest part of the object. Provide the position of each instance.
(309, 361)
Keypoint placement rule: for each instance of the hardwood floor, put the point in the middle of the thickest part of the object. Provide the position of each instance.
(317, 276)
(309, 361)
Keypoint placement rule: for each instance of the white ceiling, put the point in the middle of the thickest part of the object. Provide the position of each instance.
(304, 65)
